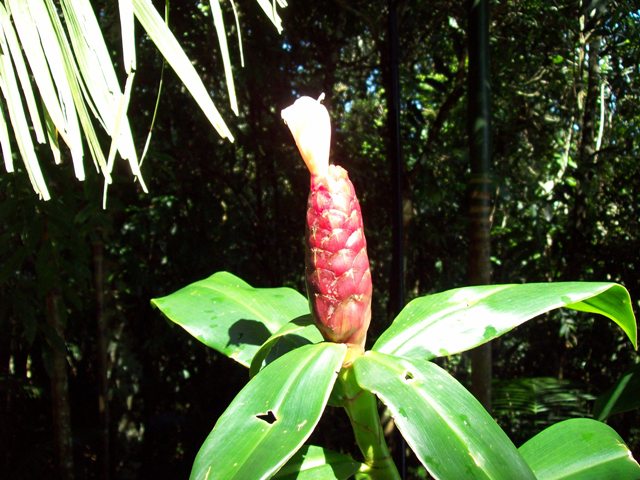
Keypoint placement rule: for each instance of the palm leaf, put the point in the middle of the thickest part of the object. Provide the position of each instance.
(54, 61)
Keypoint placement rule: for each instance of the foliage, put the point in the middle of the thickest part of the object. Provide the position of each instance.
(74, 76)
(214, 205)
(535, 403)
(447, 429)
(621, 397)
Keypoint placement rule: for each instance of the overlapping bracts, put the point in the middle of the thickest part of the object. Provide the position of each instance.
(337, 266)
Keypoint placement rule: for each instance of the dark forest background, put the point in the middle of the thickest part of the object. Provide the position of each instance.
(566, 191)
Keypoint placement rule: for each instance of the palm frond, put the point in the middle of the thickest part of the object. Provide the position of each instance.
(527, 405)
(58, 81)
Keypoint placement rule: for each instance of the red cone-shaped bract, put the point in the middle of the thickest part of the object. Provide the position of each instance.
(337, 265)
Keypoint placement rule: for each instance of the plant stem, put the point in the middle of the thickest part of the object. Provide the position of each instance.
(362, 409)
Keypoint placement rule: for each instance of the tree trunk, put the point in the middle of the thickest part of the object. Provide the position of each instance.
(390, 57)
(61, 411)
(103, 379)
(479, 271)
(394, 149)
(587, 187)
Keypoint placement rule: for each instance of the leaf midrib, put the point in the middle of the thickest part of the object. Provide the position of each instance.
(293, 378)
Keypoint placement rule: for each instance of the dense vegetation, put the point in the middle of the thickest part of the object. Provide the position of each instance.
(567, 183)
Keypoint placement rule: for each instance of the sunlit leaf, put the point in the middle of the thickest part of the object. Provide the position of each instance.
(128, 38)
(72, 69)
(60, 58)
(23, 75)
(17, 116)
(269, 8)
(238, 30)
(164, 40)
(218, 22)
(229, 315)
(100, 80)
(317, 463)
(298, 332)
(460, 319)
(272, 416)
(445, 426)
(580, 449)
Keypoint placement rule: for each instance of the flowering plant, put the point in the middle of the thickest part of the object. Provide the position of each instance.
(306, 355)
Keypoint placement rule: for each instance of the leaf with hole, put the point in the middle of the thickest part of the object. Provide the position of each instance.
(272, 416)
(445, 426)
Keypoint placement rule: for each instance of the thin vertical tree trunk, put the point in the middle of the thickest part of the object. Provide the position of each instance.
(587, 187)
(479, 271)
(394, 149)
(61, 411)
(103, 379)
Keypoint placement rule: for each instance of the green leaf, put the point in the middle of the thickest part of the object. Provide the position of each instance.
(74, 100)
(43, 53)
(269, 8)
(272, 416)
(23, 75)
(445, 426)
(164, 40)
(298, 332)
(460, 319)
(539, 400)
(127, 27)
(229, 315)
(218, 23)
(317, 463)
(99, 81)
(17, 116)
(580, 448)
(622, 397)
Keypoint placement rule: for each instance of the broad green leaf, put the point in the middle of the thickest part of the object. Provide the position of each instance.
(622, 397)
(445, 426)
(579, 448)
(272, 416)
(317, 463)
(229, 315)
(164, 40)
(298, 332)
(460, 319)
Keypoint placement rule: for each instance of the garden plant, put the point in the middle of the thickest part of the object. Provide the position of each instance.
(306, 355)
